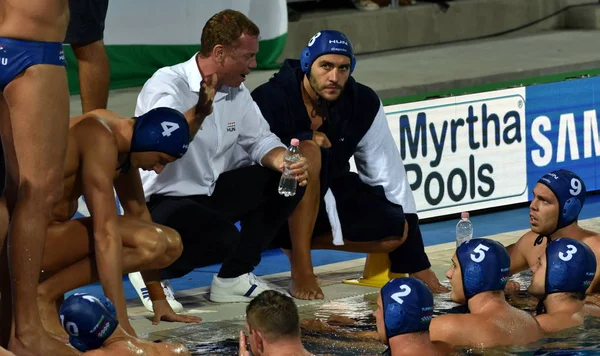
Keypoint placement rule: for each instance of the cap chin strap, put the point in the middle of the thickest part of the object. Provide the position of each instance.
(541, 308)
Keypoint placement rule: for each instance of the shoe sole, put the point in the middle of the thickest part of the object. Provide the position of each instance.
(225, 298)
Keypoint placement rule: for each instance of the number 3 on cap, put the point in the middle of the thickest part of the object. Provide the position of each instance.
(405, 290)
(480, 251)
(570, 252)
(168, 128)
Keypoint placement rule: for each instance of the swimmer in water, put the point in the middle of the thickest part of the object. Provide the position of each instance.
(478, 276)
(93, 327)
(561, 276)
(558, 198)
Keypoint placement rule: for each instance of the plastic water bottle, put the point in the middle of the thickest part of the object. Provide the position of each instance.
(288, 183)
(464, 229)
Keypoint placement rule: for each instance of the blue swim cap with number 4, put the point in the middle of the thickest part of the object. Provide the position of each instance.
(407, 306)
(484, 265)
(161, 130)
(570, 266)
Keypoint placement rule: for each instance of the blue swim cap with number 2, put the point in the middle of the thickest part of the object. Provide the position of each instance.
(407, 306)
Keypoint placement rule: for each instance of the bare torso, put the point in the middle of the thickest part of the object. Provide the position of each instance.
(555, 322)
(590, 238)
(130, 347)
(501, 326)
(35, 20)
(73, 187)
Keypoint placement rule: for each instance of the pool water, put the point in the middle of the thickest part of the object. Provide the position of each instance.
(220, 338)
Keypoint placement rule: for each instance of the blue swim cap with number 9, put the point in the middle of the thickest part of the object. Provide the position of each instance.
(161, 130)
(570, 191)
(570, 266)
(407, 306)
(484, 265)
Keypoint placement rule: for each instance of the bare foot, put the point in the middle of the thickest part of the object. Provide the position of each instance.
(40, 345)
(50, 320)
(305, 287)
(428, 277)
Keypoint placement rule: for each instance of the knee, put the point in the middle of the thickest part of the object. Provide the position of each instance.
(394, 242)
(312, 152)
(174, 245)
(45, 192)
(151, 245)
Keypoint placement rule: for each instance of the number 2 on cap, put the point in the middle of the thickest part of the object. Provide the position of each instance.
(168, 128)
(480, 251)
(404, 291)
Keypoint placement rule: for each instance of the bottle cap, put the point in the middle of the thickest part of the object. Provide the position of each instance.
(295, 142)
(464, 215)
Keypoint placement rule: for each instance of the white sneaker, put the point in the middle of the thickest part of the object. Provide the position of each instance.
(140, 287)
(240, 289)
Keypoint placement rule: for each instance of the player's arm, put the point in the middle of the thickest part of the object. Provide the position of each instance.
(518, 253)
(98, 155)
(131, 195)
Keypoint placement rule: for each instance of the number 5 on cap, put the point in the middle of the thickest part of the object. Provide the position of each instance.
(480, 251)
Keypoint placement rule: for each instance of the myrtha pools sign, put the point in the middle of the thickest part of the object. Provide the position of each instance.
(463, 153)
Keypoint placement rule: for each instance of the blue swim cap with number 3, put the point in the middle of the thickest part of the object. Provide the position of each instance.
(407, 306)
(570, 266)
(484, 265)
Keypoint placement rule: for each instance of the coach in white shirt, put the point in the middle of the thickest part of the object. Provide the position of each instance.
(232, 168)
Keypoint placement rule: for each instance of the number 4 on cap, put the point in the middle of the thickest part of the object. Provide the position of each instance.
(168, 128)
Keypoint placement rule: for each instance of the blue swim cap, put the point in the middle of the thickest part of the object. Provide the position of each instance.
(88, 320)
(326, 42)
(407, 306)
(161, 130)
(570, 266)
(569, 190)
(484, 265)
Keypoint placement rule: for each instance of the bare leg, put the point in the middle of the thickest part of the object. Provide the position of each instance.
(94, 75)
(34, 138)
(304, 285)
(145, 246)
(388, 244)
(5, 297)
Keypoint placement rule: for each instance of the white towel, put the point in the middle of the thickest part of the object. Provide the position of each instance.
(334, 219)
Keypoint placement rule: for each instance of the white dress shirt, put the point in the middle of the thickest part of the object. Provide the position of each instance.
(234, 135)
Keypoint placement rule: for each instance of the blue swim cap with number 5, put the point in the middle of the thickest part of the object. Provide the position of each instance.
(570, 266)
(161, 130)
(407, 306)
(484, 265)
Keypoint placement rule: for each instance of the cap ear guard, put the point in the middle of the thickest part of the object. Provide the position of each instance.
(326, 42)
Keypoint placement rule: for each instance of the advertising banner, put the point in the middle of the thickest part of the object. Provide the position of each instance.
(463, 153)
(562, 130)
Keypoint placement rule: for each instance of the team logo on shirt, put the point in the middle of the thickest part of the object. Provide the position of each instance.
(230, 126)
